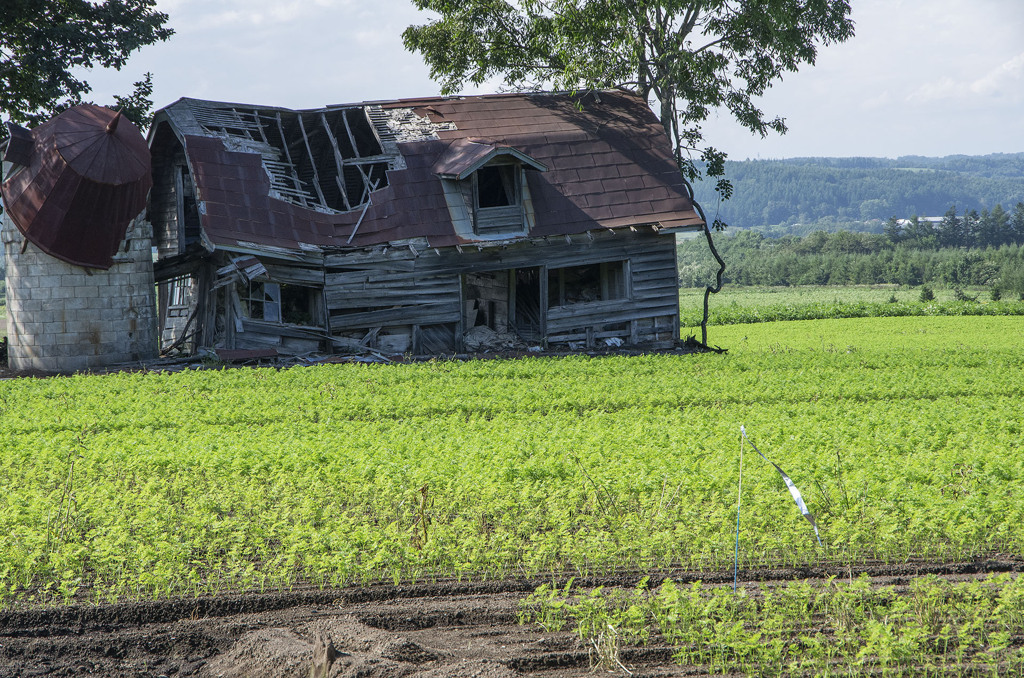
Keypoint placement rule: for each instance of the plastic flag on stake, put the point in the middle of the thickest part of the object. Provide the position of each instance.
(797, 497)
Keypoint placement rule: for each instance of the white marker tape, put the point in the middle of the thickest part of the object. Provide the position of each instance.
(797, 497)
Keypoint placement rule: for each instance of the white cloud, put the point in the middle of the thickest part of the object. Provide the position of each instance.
(880, 101)
(937, 90)
(1001, 78)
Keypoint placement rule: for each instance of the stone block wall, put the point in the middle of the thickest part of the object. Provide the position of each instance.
(66, 318)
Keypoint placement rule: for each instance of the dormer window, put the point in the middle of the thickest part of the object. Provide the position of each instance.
(497, 197)
(491, 179)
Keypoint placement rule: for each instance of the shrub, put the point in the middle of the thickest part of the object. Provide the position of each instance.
(927, 294)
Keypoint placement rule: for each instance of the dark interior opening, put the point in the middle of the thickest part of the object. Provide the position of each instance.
(299, 305)
(277, 302)
(526, 320)
(496, 186)
(485, 296)
(591, 282)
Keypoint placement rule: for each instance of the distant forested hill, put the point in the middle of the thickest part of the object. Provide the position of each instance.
(800, 195)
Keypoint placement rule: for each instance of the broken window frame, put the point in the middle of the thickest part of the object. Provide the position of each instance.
(272, 300)
(176, 299)
(261, 295)
(179, 296)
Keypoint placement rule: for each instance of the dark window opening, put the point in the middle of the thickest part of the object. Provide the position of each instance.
(496, 186)
(591, 282)
(300, 305)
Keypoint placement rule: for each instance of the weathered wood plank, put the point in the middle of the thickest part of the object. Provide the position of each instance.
(263, 327)
(435, 339)
(648, 266)
(664, 272)
(641, 267)
(335, 267)
(256, 340)
(562, 323)
(341, 305)
(411, 291)
(392, 290)
(582, 336)
(378, 280)
(499, 219)
(295, 275)
(645, 295)
(421, 314)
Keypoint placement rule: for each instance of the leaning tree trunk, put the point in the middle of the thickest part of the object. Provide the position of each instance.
(669, 122)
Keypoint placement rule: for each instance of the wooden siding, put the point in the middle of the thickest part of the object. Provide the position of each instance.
(401, 289)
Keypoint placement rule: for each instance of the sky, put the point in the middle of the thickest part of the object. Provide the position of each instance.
(921, 77)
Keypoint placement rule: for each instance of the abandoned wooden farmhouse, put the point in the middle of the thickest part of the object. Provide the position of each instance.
(427, 226)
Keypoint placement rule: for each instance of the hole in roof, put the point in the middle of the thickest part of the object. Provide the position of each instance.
(327, 160)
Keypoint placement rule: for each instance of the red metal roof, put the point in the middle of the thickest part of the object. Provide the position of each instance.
(609, 165)
(87, 177)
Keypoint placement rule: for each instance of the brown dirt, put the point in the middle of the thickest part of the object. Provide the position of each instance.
(433, 630)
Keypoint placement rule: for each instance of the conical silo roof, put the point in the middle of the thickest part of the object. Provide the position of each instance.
(86, 179)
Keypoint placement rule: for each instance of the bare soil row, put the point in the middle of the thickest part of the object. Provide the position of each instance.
(436, 629)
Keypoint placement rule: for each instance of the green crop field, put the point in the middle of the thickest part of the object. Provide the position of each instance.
(927, 627)
(940, 337)
(903, 433)
(740, 305)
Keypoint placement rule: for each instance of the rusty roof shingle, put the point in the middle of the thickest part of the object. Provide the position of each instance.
(608, 164)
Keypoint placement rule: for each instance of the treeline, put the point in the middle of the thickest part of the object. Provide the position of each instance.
(860, 193)
(962, 250)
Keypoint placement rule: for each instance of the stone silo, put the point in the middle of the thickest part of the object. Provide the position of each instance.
(80, 292)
